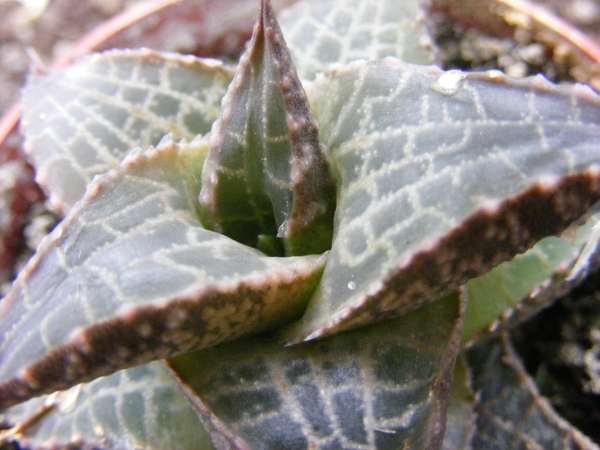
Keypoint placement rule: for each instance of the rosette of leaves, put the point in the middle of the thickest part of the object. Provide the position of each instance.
(334, 195)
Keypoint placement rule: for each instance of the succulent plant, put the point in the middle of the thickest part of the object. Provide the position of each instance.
(307, 240)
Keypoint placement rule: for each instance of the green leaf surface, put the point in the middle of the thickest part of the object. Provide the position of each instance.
(322, 32)
(134, 408)
(549, 263)
(383, 386)
(442, 176)
(83, 120)
(130, 276)
(266, 172)
(510, 411)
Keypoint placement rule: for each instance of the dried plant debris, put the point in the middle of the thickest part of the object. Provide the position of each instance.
(511, 413)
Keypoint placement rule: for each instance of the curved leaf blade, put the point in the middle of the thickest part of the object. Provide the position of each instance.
(83, 120)
(383, 386)
(130, 276)
(140, 407)
(442, 176)
(266, 172)
(322, 32)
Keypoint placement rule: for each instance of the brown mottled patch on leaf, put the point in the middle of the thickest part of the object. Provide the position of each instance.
(144, 334)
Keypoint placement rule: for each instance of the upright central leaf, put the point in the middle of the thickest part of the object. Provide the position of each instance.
(267, 174)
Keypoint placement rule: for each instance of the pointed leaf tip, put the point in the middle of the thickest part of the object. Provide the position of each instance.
(267, 173)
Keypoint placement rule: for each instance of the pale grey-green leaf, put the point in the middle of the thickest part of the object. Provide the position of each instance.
(134, 408)
(380, 387)
(322, 32)
(443, 175)
(83, 120)
(130, 276)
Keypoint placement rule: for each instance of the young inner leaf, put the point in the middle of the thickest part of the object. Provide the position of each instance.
(266, 173)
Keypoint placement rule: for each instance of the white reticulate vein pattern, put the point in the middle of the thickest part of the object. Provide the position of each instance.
(419, 153)
(131, 276)
(140, 407)
(322, 32)
(355, 391)
(83, 121)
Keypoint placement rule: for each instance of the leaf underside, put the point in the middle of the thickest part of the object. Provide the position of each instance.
(130, 276)
(359, 390)
(83, 121)
(266, 172)
(441, 176)
(140, 407)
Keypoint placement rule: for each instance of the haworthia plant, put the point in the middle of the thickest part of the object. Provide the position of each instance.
(436, 177)
(440, 182)
(510, 413)
(322, 32)
(532, 279)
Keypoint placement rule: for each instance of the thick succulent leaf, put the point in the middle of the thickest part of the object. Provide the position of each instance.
(83, 120)
(322, 32)
(130, 276)
(267, 173)
(442, 175)
(140, 407)
(379, 387)
(552, 264)
(510, 411)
